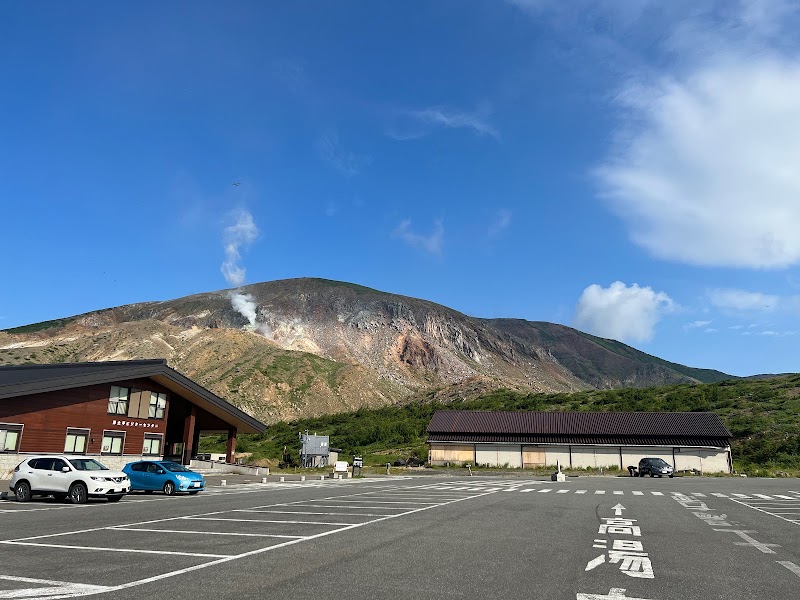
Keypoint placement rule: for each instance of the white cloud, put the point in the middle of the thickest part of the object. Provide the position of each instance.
(742, 300)
(414, 124)
(242, 233)
(431, 243)
(696, 324)
(708, 172)
(621, 312)
(704, 166)
(501, 222)
(710, 330)
(331, 151)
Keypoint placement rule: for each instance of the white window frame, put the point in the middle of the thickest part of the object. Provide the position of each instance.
(117, 435)
(117, 400)
(153, 436)
(157, 398)
(77, 431)
(4, 437)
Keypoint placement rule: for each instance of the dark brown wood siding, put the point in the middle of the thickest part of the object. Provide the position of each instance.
(47, 416)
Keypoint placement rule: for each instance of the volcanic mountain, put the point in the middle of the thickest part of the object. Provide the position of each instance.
(303, 347)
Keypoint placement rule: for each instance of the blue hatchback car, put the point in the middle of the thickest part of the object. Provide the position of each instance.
(166, 476)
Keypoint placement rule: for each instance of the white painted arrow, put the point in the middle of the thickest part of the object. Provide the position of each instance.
(618, 509)
(614, 594)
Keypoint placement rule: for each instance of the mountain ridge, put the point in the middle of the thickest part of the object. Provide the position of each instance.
(307, 346)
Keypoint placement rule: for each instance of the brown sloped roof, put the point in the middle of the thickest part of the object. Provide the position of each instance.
(23, 380)
(617, 425)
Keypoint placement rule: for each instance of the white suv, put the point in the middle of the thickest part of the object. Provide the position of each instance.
(75, 477)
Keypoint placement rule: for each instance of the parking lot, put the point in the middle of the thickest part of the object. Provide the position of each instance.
(416, 537)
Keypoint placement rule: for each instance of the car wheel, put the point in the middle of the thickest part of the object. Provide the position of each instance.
(114, 498)
(671, 476)
(59, 497)
(78, 494)
(169, 488)
(22, 491)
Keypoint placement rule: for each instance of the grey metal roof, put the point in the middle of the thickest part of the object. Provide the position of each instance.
(579, 424)
(23, 380)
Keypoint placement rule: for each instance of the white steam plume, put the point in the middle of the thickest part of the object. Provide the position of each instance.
(242, 233)
(245, 305)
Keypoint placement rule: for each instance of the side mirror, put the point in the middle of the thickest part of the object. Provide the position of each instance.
(65, 469)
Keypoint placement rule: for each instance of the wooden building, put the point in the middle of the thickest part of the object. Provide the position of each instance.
(696, 441)
(119, 410)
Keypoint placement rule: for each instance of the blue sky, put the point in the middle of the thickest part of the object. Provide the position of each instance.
(626, 168)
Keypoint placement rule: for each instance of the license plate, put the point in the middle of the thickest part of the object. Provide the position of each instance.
(195, 484)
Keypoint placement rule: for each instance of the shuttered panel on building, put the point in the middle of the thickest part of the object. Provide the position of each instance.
(533, 456)
(452, 453)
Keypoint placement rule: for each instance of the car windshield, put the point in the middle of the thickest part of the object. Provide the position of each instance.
(658, 462)
(174, 467)
(87, 464)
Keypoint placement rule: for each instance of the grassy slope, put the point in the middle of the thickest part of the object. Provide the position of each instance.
(763, 415)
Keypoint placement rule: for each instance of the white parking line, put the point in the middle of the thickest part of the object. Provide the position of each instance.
(657, 493)
(558, 492)
(272, 535)
(54, 588)
(791, 566)
(258, 521)
(544, 491)
(106, 549)
(638, 493)
(618, 493)
(580, 491)
(598, 492)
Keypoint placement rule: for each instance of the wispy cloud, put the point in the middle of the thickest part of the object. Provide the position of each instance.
(743, 300)
(414, 124)
(621, 312)
(331, 151)
(501, 222)
(241, 233)
(696, 325)
(431, 243)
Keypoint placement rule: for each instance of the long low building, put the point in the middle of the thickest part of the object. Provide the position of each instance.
(119, 410)
(689, 441)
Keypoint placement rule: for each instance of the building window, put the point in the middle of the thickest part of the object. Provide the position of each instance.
(118, 401)
(158, 403)
(77, 441)
(10, 433)
(152, 444)
(113, 442)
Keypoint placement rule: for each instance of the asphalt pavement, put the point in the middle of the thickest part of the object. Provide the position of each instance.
(588, 538)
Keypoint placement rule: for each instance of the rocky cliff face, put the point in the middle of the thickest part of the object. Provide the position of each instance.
(296, 347)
